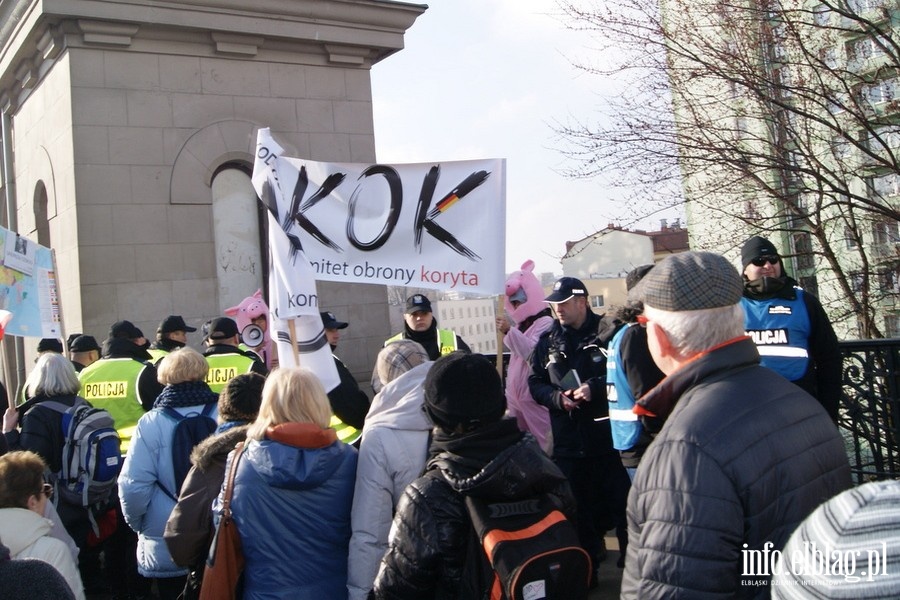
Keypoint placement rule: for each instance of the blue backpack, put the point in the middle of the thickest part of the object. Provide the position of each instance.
(190, 430)
(91, 459)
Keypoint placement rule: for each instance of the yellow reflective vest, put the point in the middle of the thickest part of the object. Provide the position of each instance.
(446, 340)
(112, 384)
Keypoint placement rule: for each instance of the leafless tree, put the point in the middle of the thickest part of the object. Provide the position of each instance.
(765, 116)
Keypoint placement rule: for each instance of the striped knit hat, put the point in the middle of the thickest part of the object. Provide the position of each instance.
(860, 528)
(397, 358)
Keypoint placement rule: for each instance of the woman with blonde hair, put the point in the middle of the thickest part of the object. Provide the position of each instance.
(292, 493)
(149, 484)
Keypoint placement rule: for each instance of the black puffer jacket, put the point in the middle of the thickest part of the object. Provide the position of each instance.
(431, 528)
(743, 458)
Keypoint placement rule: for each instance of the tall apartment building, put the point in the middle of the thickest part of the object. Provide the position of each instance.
(788, 126)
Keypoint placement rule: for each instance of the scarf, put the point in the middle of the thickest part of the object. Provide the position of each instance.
(187, 393)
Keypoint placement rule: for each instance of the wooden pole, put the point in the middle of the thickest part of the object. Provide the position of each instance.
(500, 310)
(293, 333)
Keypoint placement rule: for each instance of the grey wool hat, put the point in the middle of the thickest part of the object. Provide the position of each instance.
(690, 281)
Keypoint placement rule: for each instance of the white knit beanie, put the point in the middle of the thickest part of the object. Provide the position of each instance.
(848, 547)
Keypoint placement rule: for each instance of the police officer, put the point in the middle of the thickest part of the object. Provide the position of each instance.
(170, 335)
(568, 376)
(349, 404)
(123, 381)
(225, 358)
(420, 326)
(83, 352)
(789, 326)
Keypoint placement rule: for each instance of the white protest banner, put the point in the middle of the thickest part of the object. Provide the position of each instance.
(429, 225)
(297, 326)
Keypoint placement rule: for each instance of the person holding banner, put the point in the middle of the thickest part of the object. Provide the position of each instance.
(348, 403)
(224, 356)
(421, 326)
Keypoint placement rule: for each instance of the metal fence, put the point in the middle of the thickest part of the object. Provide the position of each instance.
(870, 408)
(869, 411)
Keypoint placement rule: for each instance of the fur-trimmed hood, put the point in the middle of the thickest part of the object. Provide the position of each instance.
(217, 447)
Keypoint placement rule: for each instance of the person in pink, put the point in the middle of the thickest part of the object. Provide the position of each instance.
(531, 315)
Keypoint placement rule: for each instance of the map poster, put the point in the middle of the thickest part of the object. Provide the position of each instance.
(29, 288)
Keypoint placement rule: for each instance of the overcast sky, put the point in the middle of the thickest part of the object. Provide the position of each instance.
(488, 79)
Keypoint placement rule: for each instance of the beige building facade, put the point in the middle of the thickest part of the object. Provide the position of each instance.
(129, 133)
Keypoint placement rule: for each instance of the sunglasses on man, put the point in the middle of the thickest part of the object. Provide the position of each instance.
(762, 260)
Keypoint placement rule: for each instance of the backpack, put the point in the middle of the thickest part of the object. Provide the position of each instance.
(91, 458)
(190, 430)
(532, 550)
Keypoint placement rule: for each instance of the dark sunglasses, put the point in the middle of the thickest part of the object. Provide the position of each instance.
(47, 490)
(762, 260)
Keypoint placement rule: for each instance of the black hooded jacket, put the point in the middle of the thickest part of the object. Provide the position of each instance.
(427, 551)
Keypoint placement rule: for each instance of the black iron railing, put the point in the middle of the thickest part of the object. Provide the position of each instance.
(869, 412)
(870, 408)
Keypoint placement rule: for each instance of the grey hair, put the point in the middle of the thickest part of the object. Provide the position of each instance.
(693, 331)
(52, 375)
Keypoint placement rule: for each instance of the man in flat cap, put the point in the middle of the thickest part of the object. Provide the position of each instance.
(568, 376)
(170, 335)
(789, 326)
(744, 455)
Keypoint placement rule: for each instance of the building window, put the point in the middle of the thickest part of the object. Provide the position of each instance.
(597, 301)
(879, 92)
(851, 238)
(803, 250)
(886, 232)
(857, 281)
(886, 185)
(892, 325)
(889, 280)
(809, 284)
(821, 15)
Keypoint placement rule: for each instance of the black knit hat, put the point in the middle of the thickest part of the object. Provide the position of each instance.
(463, 389)
(756, 247)
(240, 399)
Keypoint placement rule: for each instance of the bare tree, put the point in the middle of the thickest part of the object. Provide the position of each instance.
(774, 116)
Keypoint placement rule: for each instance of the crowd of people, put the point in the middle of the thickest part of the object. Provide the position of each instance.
(696, 422)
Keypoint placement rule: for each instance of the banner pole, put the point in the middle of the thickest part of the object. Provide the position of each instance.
(500, 309)
(293, 333)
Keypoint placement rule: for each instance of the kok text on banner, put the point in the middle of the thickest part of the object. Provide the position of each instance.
(429, 225)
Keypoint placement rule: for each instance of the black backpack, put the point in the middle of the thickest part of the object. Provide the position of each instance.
(531, 548)
(190, 430)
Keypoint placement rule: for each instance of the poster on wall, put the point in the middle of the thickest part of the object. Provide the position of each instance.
(28, 288)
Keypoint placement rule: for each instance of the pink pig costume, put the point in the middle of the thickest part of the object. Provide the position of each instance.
(532, 317)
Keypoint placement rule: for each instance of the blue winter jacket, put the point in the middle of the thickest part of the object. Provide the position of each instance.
(144, 503)
(292, 509)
